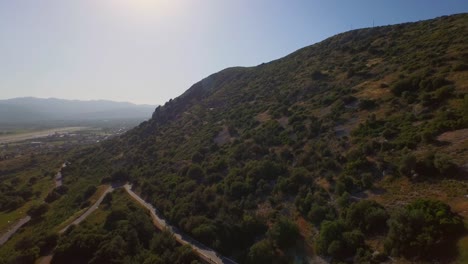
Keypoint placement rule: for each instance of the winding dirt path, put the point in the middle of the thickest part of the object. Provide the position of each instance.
(204, 252)
(4, 238)
(90, 210)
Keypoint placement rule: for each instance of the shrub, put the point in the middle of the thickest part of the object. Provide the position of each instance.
(409, 84)
(334, 240)
(284, 233)
(196, 172)
(38, 210)
(330, 231)
(421, 227)
(407, 164)
(261, 252)
(460, 67)
(368, 216)
(367, 104)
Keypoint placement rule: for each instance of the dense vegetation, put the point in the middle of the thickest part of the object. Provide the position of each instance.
(20, 181)
(126, 235)
(247, 147)
(243, 158)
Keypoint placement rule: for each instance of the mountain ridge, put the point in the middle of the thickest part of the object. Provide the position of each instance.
(32, 109)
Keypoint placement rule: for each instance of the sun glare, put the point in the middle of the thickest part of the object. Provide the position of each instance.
(146, 7)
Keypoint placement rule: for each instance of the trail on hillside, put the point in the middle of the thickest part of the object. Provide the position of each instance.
(207, 254)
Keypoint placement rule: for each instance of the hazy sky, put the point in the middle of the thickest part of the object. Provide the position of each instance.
(148, 51)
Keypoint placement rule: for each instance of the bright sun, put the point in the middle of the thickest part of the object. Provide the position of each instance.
(145, 5)
(146, 12)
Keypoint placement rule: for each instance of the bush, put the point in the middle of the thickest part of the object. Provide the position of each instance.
(401, 86)
(421, 227)
(330, 231)
(368, 216)
(367, 104)
(318, 213)
(261, 252)
(460, 67)
(196, 172)
(334, 240)
(284, 233)
(89, 192)
(52, 196)
(38, 210)
(407, 164)
(444, 165)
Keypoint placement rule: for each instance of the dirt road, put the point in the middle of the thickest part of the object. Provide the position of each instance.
(4, 238)
(90, 210)
(204, 252)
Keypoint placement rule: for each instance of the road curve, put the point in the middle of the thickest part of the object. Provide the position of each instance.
(90, 210)
(204, 252)
(4, 238)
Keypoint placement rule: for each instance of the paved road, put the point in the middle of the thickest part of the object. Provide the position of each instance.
(90, 210)
(204, 252)
(38, 134)
(4, 238)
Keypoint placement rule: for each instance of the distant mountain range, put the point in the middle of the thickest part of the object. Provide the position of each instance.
(33, 110)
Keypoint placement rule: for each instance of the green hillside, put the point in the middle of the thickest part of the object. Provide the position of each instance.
(249, 149)
(353, 149)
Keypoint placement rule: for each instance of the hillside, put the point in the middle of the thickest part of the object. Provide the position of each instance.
(353, 149)
(35, 110)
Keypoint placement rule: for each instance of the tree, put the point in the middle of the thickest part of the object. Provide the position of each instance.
(196, 172)
(421, 227)
(206, 233)
(284, 233)
(366, 215)
(329, 231)
(111, 251)
(184, 254)
(334, 240)
(38, 210)
(107, 199)
(89, 192)
(407, 164)
(444, 165)
(261, 252)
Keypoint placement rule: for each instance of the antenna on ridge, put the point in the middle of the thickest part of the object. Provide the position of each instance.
(373, 24)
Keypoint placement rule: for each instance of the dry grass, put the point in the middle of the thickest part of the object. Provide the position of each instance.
(463, 250)
(402, 191)
(263, 117)
(100, 190)
(457, 146)
(322, 182)
(459, 80)
(394, 193)
(307, 232)
(373, 62)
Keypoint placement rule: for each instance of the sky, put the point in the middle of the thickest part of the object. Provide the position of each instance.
(149, 51)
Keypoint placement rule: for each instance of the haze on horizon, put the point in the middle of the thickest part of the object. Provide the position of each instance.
(148, 51)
